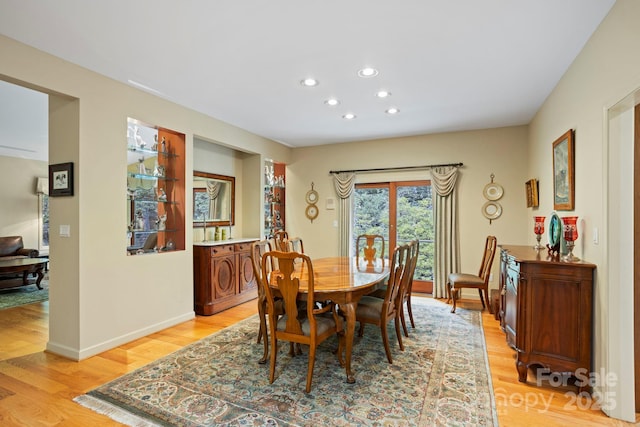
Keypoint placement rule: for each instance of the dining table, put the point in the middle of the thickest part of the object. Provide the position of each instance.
(344, 280)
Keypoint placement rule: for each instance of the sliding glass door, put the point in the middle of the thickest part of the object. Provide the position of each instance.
(399, 211)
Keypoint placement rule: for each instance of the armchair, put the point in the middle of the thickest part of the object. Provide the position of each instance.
(12, 247)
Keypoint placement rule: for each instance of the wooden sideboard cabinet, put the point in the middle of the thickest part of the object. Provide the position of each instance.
(546, 310)
(222, 277)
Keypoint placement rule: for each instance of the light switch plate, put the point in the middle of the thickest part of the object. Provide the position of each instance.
(65, 231)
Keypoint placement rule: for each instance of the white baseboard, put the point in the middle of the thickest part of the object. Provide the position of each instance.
(80, 354)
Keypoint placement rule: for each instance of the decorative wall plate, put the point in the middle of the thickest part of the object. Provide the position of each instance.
(311, 212)
(312, 196)
(555, 232)
(491, 210)
(493, 191)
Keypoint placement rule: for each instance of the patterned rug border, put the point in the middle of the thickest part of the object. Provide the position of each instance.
(22, 295)
(436, 393)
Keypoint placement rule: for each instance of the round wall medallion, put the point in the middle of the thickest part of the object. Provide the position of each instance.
(312, 196)
(491, 210)
(311, 212)
(493, 191)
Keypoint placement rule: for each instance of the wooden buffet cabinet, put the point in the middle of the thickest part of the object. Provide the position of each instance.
(222, 275)
(546, 310)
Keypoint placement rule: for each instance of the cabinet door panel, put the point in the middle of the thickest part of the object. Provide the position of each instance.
(511, 305)
(224, 276)
(247, 280)
(554, 312)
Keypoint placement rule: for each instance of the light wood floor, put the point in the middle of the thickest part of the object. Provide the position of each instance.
(37, 388)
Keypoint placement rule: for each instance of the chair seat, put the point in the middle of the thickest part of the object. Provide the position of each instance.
(369, 306)
(323, 324)
(465, 279)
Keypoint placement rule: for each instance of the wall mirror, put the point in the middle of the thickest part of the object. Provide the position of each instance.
(214, 199)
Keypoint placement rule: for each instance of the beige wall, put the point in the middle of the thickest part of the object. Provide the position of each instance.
(498, 151)
(19, 206)
(100, 297)
(607, 69)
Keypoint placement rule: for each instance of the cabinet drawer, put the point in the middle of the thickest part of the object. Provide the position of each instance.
(221, 250)
(243, 247)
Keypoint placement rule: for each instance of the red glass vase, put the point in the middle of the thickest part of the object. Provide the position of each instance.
(570, 234)
(538, 229)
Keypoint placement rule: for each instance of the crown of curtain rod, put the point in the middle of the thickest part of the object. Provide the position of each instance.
(400, 168)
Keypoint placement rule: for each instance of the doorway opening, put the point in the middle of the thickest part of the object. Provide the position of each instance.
(400, 212)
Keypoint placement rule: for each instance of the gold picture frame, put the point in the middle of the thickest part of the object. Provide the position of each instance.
(563, 172)
(531, 189)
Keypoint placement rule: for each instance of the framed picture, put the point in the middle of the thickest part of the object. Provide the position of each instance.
(61, 180)
(531, 188)
(563, 172)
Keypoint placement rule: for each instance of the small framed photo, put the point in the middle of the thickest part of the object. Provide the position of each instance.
(61, 180)
(531, 188)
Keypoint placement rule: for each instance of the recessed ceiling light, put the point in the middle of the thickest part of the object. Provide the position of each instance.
(332, 102)
(349, 116)
(309, 82)
(383, 94)
(368, 72)
(392, 110)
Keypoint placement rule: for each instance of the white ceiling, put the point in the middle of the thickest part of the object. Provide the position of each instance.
(450, 64)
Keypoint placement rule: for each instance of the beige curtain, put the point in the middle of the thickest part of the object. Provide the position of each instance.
(344, 183)
(447, 259)
(213, 189)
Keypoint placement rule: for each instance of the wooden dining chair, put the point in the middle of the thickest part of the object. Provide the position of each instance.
(369, 245)
(480, 281)
(314, 326)
(405, 291)
(296, 245)
(281, 241)
(258, 249)
(380, 311)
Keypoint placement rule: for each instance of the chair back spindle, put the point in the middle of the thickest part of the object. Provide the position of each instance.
(368, 244)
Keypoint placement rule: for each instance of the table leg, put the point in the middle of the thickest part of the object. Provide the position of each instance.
(349, 310)
(40, 273)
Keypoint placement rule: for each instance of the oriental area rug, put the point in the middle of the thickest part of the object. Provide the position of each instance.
(441, 378)
(13, 297)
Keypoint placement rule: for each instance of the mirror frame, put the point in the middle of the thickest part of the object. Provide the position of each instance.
(232, 181)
